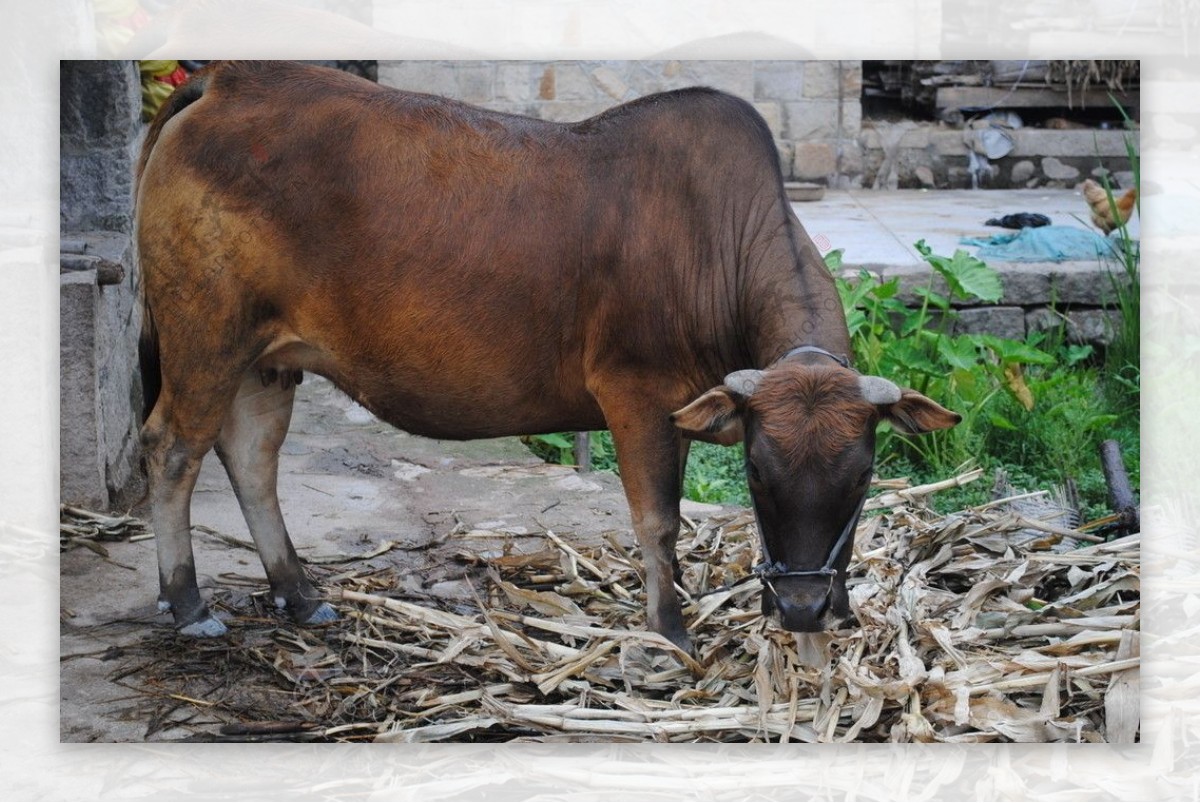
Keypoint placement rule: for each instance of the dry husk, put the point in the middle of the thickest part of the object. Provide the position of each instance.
(984, 625)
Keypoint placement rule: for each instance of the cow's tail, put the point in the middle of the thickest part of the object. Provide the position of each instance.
(187, 94)
(148, 362)
(148, 357)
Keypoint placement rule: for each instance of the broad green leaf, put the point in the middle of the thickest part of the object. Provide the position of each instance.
(885, 290)
(1078, 353)
(936, 299)
(833, 260)
(1000, 422)
(1015, 351)
(959, 352)
(965, 275)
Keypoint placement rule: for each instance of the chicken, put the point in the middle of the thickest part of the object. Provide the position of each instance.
(1102, 210)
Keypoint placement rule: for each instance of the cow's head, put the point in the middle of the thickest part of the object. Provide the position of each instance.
(809, 432)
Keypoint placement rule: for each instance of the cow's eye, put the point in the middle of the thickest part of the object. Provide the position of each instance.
(866, 477)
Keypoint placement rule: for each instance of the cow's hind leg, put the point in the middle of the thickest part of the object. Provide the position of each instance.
(178, 433)
(248, 446)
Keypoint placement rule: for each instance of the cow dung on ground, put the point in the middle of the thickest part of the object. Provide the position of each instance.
(984, 625)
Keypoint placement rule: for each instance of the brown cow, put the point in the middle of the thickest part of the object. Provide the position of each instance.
(465, 274)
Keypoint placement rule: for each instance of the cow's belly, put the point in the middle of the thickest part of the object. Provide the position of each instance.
(447, 399)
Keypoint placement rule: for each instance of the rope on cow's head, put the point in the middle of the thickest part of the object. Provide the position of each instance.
(841, 360)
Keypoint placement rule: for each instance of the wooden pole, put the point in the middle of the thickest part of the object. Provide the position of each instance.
(583, 452)
(1120, 494)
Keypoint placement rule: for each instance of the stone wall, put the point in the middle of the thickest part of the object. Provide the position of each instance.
(813, 108)
(99, 315)
(1078, 297)
(911, 155)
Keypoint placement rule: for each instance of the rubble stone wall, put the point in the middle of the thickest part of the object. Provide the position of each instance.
(914, 155)
(1078, 297)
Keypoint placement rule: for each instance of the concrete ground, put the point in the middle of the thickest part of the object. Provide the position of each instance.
(349, 483)
(878, 228)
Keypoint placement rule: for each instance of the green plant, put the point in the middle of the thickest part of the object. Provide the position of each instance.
(1122, 359)
(716, 474)
(553, 447)
(917, 347)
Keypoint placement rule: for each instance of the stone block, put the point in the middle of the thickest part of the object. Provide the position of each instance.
(1027, 285)
(814, 160)
(99, 120)
(516, 82)
(1094, 326)
(546, 87)
(1055, 170)
(735, 77)
(779, 80)
(1021, 172)
(1084, 284)
(1089, 143)
(1000, 321)
(948, 143)
(434, 77)
(474, 82)
(924, 175)
(81, 462)
(611, 83)
(787, 152)
(821, 79)
(572, 82)
(851, 117)
(808, 120)
(98, 334)
(852, 157)
(773, 114)
(571, 111)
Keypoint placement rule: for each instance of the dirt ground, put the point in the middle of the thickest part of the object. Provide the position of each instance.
(348, 485)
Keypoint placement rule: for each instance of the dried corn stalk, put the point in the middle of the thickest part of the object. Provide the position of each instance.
(984, 625)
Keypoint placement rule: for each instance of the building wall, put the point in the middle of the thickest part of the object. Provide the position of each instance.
(813, 108)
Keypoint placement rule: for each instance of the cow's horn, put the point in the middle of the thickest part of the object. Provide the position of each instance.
(743, 382)
(877, 390)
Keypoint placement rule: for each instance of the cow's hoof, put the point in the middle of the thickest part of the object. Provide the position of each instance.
(324, 614)
(684, 643)
(209, 627)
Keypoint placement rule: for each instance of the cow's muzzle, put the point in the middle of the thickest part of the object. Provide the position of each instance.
(807, 605)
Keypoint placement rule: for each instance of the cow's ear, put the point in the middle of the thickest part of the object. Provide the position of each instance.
(716, 416)
(915, 415)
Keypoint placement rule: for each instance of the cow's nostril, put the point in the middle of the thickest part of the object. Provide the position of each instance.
(802, 617)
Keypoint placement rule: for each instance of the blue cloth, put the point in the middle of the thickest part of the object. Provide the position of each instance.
(1043, 244)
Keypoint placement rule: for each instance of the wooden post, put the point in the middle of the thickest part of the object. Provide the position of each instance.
(583, 452)
(1120, 494)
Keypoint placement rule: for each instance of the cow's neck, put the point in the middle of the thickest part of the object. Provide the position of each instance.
(791, 299)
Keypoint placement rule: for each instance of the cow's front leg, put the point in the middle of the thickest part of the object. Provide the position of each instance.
(648, 451)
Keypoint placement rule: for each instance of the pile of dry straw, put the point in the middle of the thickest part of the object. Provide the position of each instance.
(984, 625)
